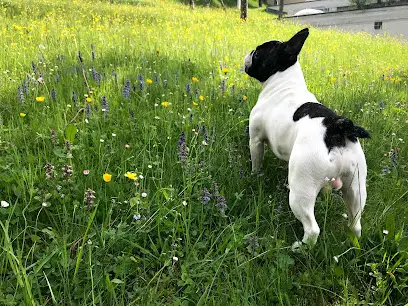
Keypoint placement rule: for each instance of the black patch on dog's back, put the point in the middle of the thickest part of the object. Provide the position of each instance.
(313, 110)
(338, 128)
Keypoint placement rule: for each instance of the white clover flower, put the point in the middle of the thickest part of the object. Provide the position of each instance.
(5, 204)
(385, 232)
(185, 203)
(113, 135)
(144, 195)
(175, 258)
(149, 166)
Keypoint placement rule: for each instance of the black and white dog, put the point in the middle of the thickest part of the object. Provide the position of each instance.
(318, 144)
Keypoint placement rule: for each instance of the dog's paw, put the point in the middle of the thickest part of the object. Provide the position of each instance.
(298, 247)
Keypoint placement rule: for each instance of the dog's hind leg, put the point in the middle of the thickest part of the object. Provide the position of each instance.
(257, 149)
(302, 202)
(355, 195)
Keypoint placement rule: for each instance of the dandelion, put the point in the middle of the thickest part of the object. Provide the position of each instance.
(4, 204)
(89, 197)
(144, 195)
(22, 115)
(195, 103)
(40, 99)
(149, 81)
(107, 177)
(244, 98)
(205, 196)
(201, 98)
(165, 104)
(131, 175)
(194, 79)
(225, 70)
(49, 171)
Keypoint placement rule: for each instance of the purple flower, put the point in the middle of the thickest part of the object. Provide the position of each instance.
(34, 67)
(205, 196)
(20, 95)
(126, 89)
(182, 148)
(89, 197)
(53, 94)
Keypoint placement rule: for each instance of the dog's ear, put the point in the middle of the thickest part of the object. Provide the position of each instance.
(295, 44)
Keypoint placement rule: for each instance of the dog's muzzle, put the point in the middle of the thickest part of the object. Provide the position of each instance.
(248, 61)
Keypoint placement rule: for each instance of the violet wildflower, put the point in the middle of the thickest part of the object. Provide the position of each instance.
(89, 197)
(53, 94)
(49, 171)
(74, 98)
(88, 110)
(140, 77)
(80, 57)
(20, 95)
(54, 138)
(34, 67)
(92, 52)
(66, 171)
(126, 89)
(253, 245)
(223, 86)
(221, 205)
(57, 77)
(205, 196)
(26, 89)
(96, 76)
(182, 148)
(105, 106)
(188, 88)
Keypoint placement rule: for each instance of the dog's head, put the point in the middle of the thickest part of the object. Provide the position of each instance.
(273, 56)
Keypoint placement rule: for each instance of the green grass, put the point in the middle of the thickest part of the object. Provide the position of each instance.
(152, 240)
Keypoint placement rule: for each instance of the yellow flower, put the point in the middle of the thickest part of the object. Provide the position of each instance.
(131, 175)
(201, 98)
(107, 177)
(195, 103)
(22, 115)
(88, 99)
(246, 76)
(194, 79)
(165, 104)
(149, 81)
(40, 99)
(333, 79)
(225, 70)
(244, 98)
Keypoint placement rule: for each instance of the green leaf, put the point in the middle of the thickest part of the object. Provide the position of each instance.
(70, 132)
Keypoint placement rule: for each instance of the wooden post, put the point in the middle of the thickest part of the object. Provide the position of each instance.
(281, 2)
(244, 9)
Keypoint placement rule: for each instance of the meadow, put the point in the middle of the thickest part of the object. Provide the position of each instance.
(125, 168)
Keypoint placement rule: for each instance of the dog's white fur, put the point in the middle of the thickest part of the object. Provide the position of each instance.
(301, 143)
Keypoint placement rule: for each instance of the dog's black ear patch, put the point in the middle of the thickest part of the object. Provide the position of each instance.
(313, 110)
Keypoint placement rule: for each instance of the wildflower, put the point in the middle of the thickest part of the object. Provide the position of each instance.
(175, 258)
(201, 98)
(144, 195)
(194, 79)
(102, 140)
(96, 76)
(113, 135)
(149, 166)
(126, 89)
(22, 115)
(40, 99)
(131, 175)
(253, 245)
(54, 138)
(225, 70)
(88, 99)
(195, 103)
(244, 98)
(127, 146)
(223, 86)
(188, 88)
(141, 177)
(105, 106)
(137, 217)
(68, 145)
(85, 172)
(4, 204)
(89, 197)
(49, 171)
(34, 67)
(182, 148)
(184, 203)
(107, 177)
(333, 79)
(53, 94)
(149, 81)
(165, 104)
(205, 196)
(20, 95)
(67, 171)
(44, 204)
(385, 232)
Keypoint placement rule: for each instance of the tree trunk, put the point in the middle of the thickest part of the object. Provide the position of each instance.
(238, 4)
(192, 4)
(281, 2)
(244, 9)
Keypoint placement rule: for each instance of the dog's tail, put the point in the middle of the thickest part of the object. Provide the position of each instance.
(339, 128)
(346, 127)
